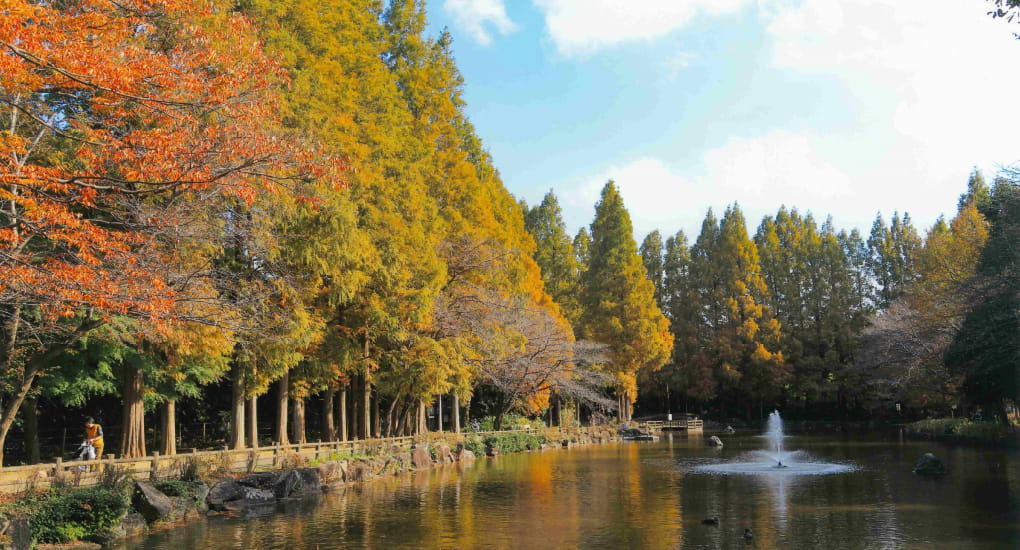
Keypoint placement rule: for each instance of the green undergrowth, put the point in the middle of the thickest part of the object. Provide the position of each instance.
(513, 442)
(962, 429)
(60, 515)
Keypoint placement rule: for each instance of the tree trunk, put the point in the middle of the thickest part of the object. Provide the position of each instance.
(376, 419)
(298, 422)
(365, 427)
(282, 394)
(439, 414)
(423, 418)
(343, 412)
(30, 421)
(456, 414)
(237, 407)
(355, 409)
(253, 422)
(132, 434)
(168, 428)
(328, 425)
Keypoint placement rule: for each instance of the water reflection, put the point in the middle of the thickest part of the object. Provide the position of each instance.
(646, 495)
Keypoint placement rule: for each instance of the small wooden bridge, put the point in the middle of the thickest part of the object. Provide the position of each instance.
(681, 425)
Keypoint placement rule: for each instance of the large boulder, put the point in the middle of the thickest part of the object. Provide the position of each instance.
(287, 483)
(929, 465)
(466, 455)
(232, 495)
(262, 480)
(443, 454)
(714, 441)
(420, 457)
(150, 502)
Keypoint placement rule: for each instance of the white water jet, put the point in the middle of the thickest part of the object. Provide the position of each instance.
(775, 460)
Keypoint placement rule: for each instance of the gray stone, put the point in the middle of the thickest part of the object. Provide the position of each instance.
(150, 502)
(358, 471)
(201, 493)
(232, 495)
(929, 465)
(714, 441)
(466, 455)
(311, 481)
(223, 492)
(287, 484)
(262, 480)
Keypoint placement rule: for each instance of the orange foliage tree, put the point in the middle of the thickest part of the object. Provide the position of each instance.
(125, 122)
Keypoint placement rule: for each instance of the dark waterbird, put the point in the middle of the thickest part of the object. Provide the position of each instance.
(711, 521)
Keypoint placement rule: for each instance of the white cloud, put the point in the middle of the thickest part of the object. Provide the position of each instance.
(760, 173)
(475, 16)
(680, 61)
(656, 196)
(580, 27)
(932, 77)
(780, 166)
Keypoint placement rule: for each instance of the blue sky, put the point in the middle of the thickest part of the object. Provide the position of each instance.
(837, 107)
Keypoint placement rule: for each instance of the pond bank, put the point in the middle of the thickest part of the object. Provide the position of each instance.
(962, 430)
(122, 507)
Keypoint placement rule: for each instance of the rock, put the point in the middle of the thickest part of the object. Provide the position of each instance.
(443, 454)
(730, 430)
(262, 480)
(714, 441)
(223, 492)
(565, 443)
(150, 502)
(491, 451)
(18, 535)
(929, 465)
(131, 525)
(201, 493)
(287, 484)
(232, 495)
(420, 457)
(311, 481)
(358, 471)
(466, 455)
(70, 546)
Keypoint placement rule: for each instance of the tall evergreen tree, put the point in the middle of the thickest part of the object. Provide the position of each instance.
(554, 253)
(618, 300)
(652, 257)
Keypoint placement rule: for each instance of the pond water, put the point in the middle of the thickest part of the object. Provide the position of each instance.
(652, 495)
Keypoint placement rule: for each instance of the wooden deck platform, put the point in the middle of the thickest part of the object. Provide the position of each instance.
(684, 425)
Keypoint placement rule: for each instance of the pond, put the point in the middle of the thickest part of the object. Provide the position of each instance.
(652, 495)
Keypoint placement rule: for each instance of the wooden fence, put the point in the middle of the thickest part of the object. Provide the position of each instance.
(89, 473)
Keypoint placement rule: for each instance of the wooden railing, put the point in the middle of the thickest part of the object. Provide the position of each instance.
(77, 473)
(688, 424)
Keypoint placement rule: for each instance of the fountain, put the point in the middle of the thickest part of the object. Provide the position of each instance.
(775, 459)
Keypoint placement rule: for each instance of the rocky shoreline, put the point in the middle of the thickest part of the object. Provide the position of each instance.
(185, 501)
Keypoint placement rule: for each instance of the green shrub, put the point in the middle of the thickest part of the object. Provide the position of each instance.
(957, 428)
(514, 442)
(178, 488)
(475, 445)
(60, 516)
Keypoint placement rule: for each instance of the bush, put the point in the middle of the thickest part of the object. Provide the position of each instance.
(514, 442)
(957, 428)
(475, 445)
(178, 488)
(511, 421)
(59, 516)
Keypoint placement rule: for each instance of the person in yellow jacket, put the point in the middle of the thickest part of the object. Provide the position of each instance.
(94, 435)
